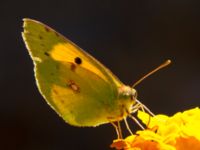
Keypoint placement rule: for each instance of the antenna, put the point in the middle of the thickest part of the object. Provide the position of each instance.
(166, 63)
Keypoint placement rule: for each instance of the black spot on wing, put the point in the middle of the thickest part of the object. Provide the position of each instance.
(47, 54)
(78, 60)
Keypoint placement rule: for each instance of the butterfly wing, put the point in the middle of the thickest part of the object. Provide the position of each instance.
(78, 87)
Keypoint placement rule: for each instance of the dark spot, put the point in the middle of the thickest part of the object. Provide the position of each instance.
(47, 54)
(47, 28)
(56, 34)
(78, 60)
(62, 101)
(42, 44)
(51, 74)
(71, 111)
(55, 91)
(74, 86)
(40, 37)
(73, 67)
(57, 67)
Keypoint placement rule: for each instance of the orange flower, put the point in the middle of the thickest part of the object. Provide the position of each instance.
(178, 132)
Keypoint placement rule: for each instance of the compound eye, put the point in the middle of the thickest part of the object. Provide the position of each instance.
(134, 96)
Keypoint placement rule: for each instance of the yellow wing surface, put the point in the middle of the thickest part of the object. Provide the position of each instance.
(78, 87)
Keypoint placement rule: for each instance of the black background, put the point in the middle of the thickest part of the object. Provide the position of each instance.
(129, 37)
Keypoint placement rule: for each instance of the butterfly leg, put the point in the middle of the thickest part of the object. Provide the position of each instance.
(141, 106)
(136, 107)
(127, 126)
(117, 129)
(136, 121)
(144, 108)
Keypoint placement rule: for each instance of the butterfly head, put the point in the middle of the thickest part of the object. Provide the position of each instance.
(127, 98)
(127, 93)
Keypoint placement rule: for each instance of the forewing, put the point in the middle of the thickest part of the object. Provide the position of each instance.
(47, 41)
(83, 94)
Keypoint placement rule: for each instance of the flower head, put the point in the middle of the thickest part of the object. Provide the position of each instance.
(178, 132)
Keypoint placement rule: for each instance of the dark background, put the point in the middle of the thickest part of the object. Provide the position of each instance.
(130, 37)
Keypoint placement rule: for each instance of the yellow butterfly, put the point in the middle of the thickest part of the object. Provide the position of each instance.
(77, 86)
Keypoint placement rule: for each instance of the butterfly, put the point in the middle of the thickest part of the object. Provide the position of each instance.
(77, 86)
